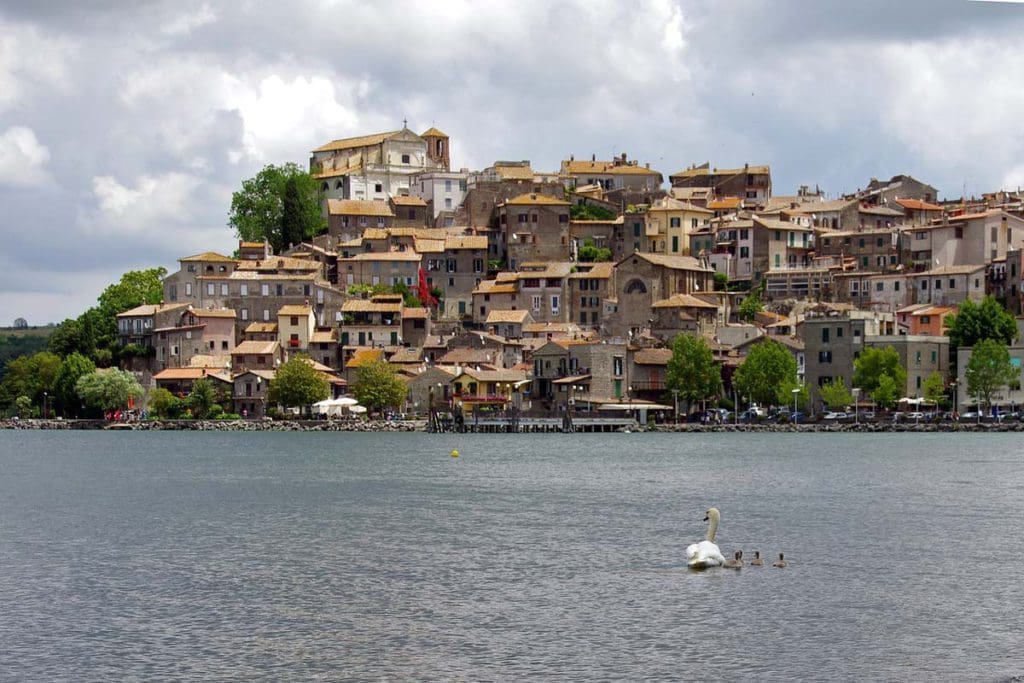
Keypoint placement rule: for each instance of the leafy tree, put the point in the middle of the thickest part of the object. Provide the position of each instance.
(108, 389)
(692, 370)
(30, 376)
(590, 252)
(258, 209)
(887, 392)
(784, 394)
(835, 395)
(378, 386)
(721, 282)
(72, 368)
(201, 399)
(989, 369)
(767, 367)
(23, 404)
(163, 403)
(590, 212)
(974, 322)
(297, 384)
(875, 362)
(750, 306)
(934, 387)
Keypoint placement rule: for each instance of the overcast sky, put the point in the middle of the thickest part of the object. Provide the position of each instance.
(124, 127)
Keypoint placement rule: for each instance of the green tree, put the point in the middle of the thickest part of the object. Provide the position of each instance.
(378, 386)
(590, 252)
(257, 210)
(201, 399)
(934, 387)
(974, 322)
(297, 384)
(835, 395)
(163, 403)
(768, 366)
(108, 389)
(875, 362)
(750, 306)
(692, 371)
(989, 369)
(30, 376)
(72, 368)
(721, 282)
(293, 227)
(23, 404)
(784, 394)
(887, 392)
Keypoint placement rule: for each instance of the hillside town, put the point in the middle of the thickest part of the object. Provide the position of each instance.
(515, 290)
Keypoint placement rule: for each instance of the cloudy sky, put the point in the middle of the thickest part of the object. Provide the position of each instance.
(124, 127)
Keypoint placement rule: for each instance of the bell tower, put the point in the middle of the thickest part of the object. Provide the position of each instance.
(437, 147)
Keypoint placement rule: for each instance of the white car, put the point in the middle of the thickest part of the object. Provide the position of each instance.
(835, 416)
(916, 415)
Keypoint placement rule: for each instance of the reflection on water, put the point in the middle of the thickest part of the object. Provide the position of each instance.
(213, 556)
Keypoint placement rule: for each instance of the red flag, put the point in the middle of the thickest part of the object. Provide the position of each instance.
(423, 291)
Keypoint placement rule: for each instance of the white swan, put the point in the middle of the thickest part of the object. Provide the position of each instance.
(705, 553)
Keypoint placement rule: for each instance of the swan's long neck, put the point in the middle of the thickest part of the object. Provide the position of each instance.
(713, 526)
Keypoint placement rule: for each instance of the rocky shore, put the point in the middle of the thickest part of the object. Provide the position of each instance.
(421, 425)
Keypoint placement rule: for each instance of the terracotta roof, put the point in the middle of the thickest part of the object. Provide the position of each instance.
(652, 356)
(682, 301)
(599, 271)
(544, 269)
(255, 348)
(216, 313)
(149, 309)
(404, 200)
(359, 207)
(428, 246)
(725, 203)
(949, 270)
(918, 205)
(463, 356)
(415, 313)
(207, 361)
(505, 316)
(209, 256)
(508, 172)
(432, 133)
(277, 263)
(671, 204)
(583, 167)
(408, 255)
(251, 245)
(972, 216)
(413, 354)
(535, 199)
(465, 242)
(338, 172)
(352, 143)
(364, 356)
(295, 309)
(366, 306)
(184, 373)
(264, 374)
(775, 224)
(668, 261)
(534, 328)
(496, 375)
(254, 328)
(324, 337)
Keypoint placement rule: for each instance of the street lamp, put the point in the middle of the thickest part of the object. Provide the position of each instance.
(675, 396)
(952, 385)
(45, 413)
(856, 400)
(796, 393)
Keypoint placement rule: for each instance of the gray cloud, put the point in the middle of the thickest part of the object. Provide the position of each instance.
(128, 126)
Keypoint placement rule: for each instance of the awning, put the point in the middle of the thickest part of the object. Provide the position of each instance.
(572, 380)
(634, 406)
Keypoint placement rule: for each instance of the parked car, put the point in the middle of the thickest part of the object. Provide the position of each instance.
(835, 416)
(868, 415)
(916, 415)
(798, 417)
(969, 415)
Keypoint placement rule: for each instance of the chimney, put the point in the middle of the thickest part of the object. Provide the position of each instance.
(572, 157)
(593, 157)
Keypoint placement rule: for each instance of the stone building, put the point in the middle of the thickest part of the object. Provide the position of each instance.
(833, 339)
(534, 227)
(750, 182)
(642, 279)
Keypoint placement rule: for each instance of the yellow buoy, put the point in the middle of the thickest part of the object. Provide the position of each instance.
(455, 454)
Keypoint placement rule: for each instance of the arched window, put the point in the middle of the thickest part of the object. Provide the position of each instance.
(636, 287)
(326, 186)
(337, 185)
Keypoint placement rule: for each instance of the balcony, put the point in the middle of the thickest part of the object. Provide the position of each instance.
(294, 343)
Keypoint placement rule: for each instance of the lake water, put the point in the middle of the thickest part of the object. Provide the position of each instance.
(298, 556)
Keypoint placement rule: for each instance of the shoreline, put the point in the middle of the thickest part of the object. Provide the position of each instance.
(421, 426)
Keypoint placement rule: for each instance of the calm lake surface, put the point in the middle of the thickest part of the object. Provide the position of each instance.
(298, 556)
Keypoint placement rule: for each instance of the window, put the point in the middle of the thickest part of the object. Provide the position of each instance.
(405, 158)
(839, 333)
(675, 243)
(533, 217)
(674, 222)
(924, 285)
(535, 302)
(478, 265)
(952, 283)
(266, 314)
(524, 218)
(744, 252)
(209, 288)
(879, 286)
(452, 266)
(563, 218)
(447, 203)
(245, 314)
(896, 286)
(447, 186)
(920, 235)
(188, 289)
(617, 365)
(935, 356)
(861, 243)
(824, 356)
(824, 335)
(243, 289)
(265, 290)
(636, 229)
(191, 268)
(224, 289)
(279, 289)
(554, 304)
